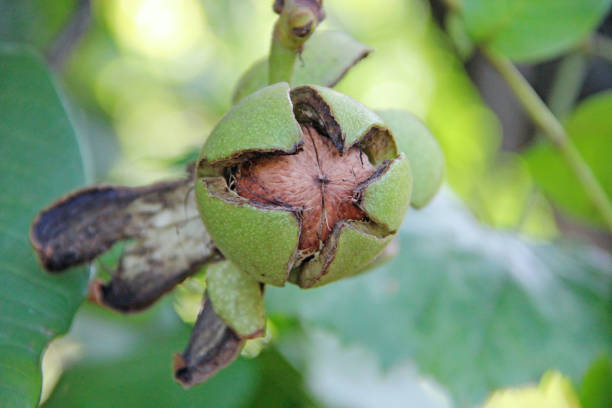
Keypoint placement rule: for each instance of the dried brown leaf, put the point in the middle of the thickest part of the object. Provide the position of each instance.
(168, 240)
(213, 345)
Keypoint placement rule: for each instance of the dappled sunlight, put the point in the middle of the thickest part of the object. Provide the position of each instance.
(122, 83)
(397, 77)
(157, 130)
(158, 28)
(375, 21)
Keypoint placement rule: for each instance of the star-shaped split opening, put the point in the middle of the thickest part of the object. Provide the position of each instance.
(316, 182)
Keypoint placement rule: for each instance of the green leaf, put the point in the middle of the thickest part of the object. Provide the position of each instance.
(475, 308)
(40, 161)
(326, 58)
(590, 129)
(530, 31)
(596, 387)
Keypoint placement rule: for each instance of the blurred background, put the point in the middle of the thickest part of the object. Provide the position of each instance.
(506, 276)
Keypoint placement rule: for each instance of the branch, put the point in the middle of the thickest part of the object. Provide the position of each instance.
(551, 128)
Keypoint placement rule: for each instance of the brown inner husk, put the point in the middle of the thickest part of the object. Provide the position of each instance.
(316, 182)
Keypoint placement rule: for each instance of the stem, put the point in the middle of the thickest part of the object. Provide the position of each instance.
(565, 88)
(280, 63)
(296, 22)
(551, 128)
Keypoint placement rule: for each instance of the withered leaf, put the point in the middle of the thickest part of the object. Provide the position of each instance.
(168, 241)
(212, 346)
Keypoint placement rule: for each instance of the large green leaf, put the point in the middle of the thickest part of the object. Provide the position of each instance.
(476, 308)
(590, 129)
(39, 160)
(326, 58)
(527, 30)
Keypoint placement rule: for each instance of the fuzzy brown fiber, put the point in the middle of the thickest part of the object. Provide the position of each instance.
(316, 182)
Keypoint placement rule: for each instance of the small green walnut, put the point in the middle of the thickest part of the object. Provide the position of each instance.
(304, 185)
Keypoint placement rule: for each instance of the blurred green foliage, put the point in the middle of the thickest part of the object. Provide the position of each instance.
(471, 308)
